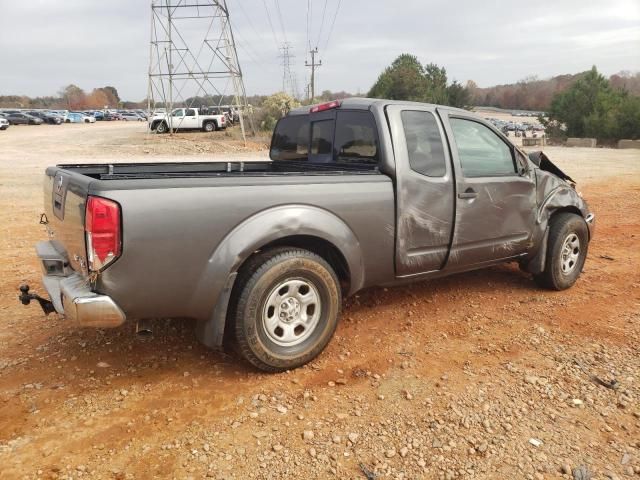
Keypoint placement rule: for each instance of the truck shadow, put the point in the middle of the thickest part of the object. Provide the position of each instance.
(172, 349)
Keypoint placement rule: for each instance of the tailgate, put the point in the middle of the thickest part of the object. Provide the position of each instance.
(65, 196)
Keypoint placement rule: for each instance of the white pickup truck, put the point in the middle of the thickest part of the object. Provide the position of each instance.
(186, 119)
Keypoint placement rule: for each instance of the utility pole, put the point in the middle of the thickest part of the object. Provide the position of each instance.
(313, 65)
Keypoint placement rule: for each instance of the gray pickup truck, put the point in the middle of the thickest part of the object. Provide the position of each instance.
(358, 193)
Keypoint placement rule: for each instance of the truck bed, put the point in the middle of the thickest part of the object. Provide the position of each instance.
(126, 171)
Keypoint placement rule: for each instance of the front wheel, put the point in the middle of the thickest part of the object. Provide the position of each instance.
(162, 128)
(567, 248)
(287, 309)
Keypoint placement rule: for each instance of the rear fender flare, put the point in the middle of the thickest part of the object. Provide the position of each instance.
(251, 235)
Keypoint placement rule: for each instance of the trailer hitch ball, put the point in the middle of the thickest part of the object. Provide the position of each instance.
(25, 298)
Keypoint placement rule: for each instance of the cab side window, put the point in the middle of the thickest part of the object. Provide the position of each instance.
(191, 112)
(482, 153)
(424, 143)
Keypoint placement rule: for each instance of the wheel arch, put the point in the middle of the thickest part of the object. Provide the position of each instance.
(300, 226)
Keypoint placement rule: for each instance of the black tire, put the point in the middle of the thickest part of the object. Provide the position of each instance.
(266, 275)
(565, 256)
(162, 127)
(209, 127)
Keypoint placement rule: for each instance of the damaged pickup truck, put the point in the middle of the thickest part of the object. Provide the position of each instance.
(358, 193)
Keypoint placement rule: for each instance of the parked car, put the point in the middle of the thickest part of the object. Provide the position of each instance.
(358, 193)
(4, 123)
(99, 116)
(19, 118)
(46, 117)
(187, 119)
(75, 117)
(62, 114)
(131, 117)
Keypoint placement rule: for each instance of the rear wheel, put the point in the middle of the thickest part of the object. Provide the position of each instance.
(209, 127)
(567, 248)
(287, 308)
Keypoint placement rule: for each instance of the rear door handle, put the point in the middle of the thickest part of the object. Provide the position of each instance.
(468, 194)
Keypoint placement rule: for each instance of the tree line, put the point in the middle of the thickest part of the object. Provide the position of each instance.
(535, 94)
(70, 97)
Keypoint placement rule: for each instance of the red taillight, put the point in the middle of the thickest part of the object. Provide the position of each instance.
(325, 106)
(102, 226)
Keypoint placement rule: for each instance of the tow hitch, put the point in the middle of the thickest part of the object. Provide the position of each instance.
(25, 298)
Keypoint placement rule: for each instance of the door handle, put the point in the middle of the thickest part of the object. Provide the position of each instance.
(468, 194)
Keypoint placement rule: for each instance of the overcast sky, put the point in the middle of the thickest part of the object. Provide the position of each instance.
(46, 44)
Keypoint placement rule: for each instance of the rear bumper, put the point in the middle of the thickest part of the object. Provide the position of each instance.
(71, 293)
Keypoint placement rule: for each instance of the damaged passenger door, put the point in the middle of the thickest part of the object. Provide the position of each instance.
(496, 195)
(425, 190)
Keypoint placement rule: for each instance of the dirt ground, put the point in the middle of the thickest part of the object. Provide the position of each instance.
(481, 375)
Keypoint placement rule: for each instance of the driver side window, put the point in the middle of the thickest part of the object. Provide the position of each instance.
(482, 153)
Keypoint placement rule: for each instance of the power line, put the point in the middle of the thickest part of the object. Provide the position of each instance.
(308, 43)
(284, 33)
(324, 12)
(244, 12)
(333, 24)
(273, 31)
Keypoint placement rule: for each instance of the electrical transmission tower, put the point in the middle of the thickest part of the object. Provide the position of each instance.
(313, 65)
(289, 85)
(193, 58)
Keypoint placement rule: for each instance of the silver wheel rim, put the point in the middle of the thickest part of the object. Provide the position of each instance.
(291, 312)
(570, 253)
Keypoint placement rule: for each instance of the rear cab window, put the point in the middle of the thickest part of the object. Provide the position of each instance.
(340, 137)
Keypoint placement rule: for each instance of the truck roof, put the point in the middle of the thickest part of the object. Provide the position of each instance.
(361, 103)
